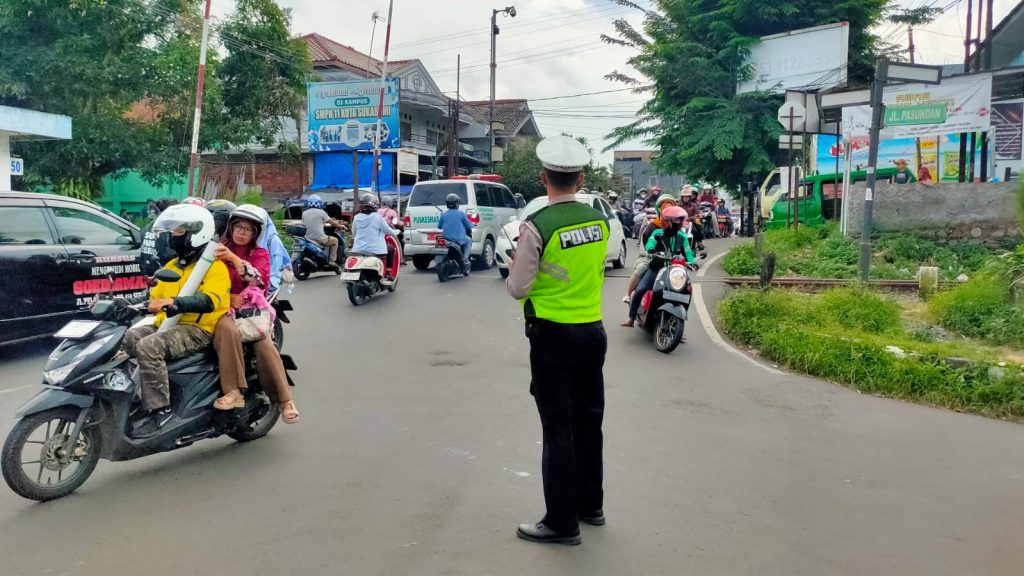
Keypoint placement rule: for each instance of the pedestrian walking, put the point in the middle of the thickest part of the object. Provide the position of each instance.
(558, 272)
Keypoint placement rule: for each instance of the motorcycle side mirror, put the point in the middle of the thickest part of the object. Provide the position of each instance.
(166, 275)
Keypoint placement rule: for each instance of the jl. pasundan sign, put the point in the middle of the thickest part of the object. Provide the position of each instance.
(343, 115)
(967, 100)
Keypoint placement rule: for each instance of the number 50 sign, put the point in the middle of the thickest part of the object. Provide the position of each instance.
(17, 167)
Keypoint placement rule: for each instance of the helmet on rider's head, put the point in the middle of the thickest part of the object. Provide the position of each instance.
(196, 223)
(686, 191)
(642, 192)
(367, 203)
(195, 201)
(708, 186)
(664, 199)
(452, 201)
(655, 189)
(250, 213)
(613, 196)
(221, 210)
(673, 213)
(721, 201)
(314, 201)
(389, 202)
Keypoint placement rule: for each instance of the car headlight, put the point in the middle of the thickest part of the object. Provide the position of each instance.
(677, 278)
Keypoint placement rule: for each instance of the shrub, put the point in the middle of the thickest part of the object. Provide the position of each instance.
(842, 335)
(981, 308)
(740, 261)
(859, 309)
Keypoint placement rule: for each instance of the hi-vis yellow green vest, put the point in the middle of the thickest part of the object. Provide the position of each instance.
(570, 277)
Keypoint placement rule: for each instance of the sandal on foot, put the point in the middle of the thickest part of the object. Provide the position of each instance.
(627, 324)
(288, 412)
(230, 401)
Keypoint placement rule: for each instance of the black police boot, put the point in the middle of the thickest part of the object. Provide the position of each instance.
(594, 518)
(540, 532)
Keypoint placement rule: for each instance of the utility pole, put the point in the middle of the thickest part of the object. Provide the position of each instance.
(193, 160)
(962, 164)
(917, 141)
(877, 111)
(380, 105)
(453, 111)
(511, 11)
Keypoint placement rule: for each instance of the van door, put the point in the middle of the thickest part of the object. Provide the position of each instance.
(35, 294)
(98, 246)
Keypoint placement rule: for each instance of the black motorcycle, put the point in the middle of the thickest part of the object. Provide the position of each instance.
(448, 260)
(91, 400)
(308, 257)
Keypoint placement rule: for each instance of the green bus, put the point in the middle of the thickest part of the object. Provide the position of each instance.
(818, 197)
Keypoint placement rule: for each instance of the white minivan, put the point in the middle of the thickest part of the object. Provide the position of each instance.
(487, 203)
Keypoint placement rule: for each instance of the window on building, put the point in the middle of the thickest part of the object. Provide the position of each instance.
(652, 181)
(433, 136)
(406, 132)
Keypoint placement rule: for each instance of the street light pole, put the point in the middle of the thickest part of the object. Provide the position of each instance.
(511, 11)
(877, 111)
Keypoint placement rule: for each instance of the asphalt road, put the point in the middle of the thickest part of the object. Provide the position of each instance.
(418, 453)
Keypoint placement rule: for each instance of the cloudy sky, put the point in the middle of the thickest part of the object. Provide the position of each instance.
(551, 49)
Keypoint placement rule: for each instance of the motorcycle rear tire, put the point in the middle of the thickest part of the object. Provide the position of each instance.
(443, 271)
(302, 271)
(666, 343)
(13, 471)
(357, 293)
(262, 428)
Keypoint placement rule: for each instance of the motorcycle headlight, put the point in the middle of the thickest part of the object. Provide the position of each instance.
(56, 376)
(677, 278)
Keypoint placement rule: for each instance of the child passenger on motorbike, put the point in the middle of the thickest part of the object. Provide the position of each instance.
(249, 267)
(644, 233)
(191, 228)
(670, 240)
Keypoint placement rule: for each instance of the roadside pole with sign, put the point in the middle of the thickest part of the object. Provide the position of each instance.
(885, 71)
(792, 115)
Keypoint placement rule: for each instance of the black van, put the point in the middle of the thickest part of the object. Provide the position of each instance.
(56, 255)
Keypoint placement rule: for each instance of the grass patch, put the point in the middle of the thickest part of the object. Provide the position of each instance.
(843, 335)
(982, 308)
(821, 252)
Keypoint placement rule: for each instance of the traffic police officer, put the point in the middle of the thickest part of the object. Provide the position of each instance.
(558, 273)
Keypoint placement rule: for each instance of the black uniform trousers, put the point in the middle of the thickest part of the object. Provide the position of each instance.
(566, 364)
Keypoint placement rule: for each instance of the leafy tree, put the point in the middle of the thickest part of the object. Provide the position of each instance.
(125, 72)
(521, 169)
(692, 53)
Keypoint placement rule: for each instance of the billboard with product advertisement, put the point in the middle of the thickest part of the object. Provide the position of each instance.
(940, 155)
(343, 115)
(967, 100)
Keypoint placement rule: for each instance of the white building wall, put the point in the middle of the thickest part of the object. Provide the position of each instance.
(5, 161)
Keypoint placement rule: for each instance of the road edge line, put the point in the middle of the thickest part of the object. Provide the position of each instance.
(709, 326)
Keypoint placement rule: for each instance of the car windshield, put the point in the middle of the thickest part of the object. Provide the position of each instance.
(433, 194)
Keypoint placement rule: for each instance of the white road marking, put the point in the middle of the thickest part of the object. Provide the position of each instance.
(709, 326)
(16, 389)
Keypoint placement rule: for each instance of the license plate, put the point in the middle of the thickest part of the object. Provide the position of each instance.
(350, 275)
(77, 329)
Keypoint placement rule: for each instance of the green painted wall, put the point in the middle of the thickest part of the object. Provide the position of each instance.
(131, 192)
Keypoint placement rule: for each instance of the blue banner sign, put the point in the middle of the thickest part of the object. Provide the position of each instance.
(343, 115)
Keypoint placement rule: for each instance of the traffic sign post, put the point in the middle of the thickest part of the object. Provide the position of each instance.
(885, 71)
(910, 115)
(792, 116)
